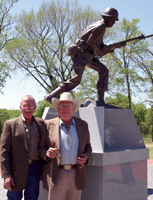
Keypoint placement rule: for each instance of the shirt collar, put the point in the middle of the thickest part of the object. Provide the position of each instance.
(61, 122)
(26, 121)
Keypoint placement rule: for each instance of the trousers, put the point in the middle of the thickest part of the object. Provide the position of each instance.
(31, 191)
(65, 187)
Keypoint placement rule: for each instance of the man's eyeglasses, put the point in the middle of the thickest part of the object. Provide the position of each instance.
(67, 106)
(27, 105)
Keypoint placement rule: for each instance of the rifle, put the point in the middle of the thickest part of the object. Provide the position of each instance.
(110, 48)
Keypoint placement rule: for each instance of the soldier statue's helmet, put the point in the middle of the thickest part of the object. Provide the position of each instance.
(111, 12)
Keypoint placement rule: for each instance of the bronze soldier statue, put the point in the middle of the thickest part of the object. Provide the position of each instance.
(85, 52)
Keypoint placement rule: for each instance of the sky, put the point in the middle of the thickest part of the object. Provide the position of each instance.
(15, 88)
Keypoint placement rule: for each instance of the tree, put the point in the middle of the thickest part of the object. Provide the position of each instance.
(41, 48)
(122, 69)
(145, 66)
(149, 121)
(6, 35)
(6, 22)
(14, 113)
(140, 112)
(119, 101)
(4, 73)
(87, 88)
(41, 105)
(6, 115)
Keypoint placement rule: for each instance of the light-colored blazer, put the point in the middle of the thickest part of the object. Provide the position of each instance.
(14, 156)
(52, 139)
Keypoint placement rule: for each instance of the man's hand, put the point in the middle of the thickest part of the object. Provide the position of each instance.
(81, 160)
(8, 182)
(51, 153)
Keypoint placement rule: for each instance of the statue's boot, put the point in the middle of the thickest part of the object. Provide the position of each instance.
(55, 93)
(100, 97)
(101, 102)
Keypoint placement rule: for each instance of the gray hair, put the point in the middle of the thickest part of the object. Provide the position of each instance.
(26, 96)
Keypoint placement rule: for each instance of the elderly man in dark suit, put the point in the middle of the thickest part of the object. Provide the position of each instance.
(67, 141)
(19, 152)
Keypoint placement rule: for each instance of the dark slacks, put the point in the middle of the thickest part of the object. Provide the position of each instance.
(31, 191)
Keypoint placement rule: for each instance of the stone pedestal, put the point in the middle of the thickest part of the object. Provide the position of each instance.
(118, 167)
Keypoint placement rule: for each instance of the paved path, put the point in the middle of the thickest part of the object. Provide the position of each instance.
(150, 179)
(2, 190)
(150, 183)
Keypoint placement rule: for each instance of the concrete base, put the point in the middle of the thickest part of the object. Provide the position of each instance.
(42, 192)
(125, 181)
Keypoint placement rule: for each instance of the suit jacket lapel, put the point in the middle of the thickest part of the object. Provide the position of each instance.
(80, 129)
(39, 125)
(54, 131)
(21, 131)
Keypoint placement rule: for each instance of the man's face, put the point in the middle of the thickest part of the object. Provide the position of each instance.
(27, 107)
(110, 21)
(65, 111)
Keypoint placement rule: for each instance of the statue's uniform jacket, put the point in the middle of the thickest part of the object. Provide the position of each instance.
(83, 52)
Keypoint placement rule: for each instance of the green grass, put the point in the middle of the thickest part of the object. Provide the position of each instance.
(149, 145)
(150, 152)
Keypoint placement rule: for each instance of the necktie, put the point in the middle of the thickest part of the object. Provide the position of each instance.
(67, 126)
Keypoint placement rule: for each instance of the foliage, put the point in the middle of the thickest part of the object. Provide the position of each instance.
(119, 101)
(149, 121)
(6, 22)
(6, 35)
(40, 108)
(44, 37)
(150, 152)
(145, 66)
(123, 72)
(4, 73)
(140, 112)
(6, 115)
(148, 143)
(14, 113)
(87, 88)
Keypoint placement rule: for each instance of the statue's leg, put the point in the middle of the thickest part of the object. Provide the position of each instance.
(59, 90)
(102, 84)
(75, 80)
(100, 95)
(68, 85)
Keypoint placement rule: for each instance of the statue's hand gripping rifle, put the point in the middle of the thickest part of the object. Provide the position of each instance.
(110, 48)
